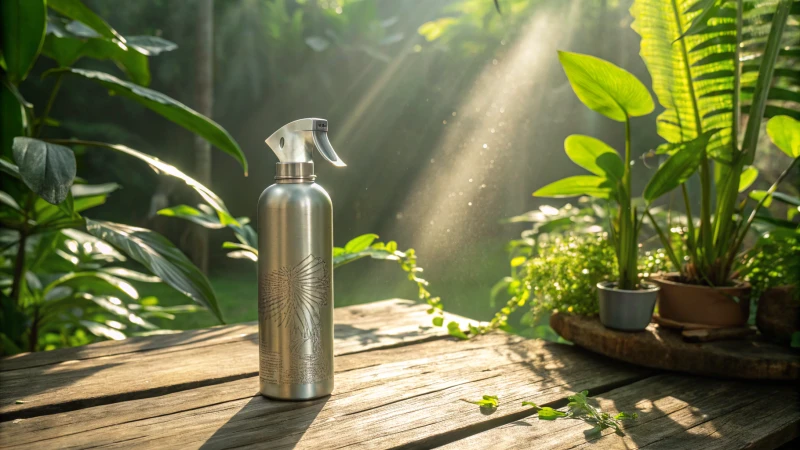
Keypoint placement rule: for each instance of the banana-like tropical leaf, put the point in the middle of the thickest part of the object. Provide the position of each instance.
(693, 75)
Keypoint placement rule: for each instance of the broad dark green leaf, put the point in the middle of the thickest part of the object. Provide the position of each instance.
(593, 186)
(162, 258)
(606, 88)
(67, 50)
(360, 243)
(76, 10)
(677, 168)
(169, 108)
(11, 120)
(784, 132)
(22, 28)
(47, 169)
(595, 156)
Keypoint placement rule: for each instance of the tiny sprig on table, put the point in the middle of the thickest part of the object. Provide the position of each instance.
(578, 408)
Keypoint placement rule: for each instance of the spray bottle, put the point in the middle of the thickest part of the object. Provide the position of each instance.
(295, 268)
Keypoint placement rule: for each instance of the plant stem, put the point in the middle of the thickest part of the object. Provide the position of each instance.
(737, 74)
(627, 227)
(740, 239)
(49, 106)
(33, 341)
(664, 241)
(19, 262)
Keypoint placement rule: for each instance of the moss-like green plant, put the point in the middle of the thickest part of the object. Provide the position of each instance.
(563, 277)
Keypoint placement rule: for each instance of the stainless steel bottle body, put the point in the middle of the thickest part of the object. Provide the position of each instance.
(295, 290)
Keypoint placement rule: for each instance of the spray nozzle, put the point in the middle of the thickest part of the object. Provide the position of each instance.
(295, 142)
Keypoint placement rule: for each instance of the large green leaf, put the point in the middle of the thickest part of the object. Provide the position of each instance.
(22, 28)
(763, 82)
(785, 134)
(163, 168)
(692, 82)
(76, 10)
(162, 258)
(682, 164)
(84, 197)
(606, 88)
(169, 108)
(599, 187)
(360, 243)
(47, 169)
(11, 120)
(67, 50)
(595, 156)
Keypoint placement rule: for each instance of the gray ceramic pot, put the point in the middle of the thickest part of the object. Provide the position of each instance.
(626, 310)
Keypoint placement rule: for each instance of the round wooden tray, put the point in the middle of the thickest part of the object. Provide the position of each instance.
(662, 348)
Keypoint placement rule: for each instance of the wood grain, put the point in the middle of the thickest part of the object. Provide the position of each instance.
(675, 411)
(405, 396)
(662, 348)
(102, 373)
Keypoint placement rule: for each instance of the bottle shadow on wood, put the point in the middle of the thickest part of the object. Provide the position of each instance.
(269, 423)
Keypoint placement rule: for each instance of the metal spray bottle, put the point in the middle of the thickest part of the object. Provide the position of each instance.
(295, 268)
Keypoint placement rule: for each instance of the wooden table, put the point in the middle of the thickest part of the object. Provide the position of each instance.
(398, 384)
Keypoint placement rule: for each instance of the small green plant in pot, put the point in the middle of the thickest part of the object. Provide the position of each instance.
(626, 303)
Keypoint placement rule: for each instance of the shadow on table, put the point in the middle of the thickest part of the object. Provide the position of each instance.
(267, 423)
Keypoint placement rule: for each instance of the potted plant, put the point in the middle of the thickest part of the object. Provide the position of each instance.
(772, 266)
(627, 302)
(711, 63)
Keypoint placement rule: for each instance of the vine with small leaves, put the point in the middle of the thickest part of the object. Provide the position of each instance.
(578, 408)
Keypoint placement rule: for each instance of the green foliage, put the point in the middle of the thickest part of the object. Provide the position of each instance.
(711, 62)
(773, 261)
(47, 169)
(160, 257)
(615, 93)
(23, 25)
(61, 286)
(784, 132)
(598, 187)
(564, 274)
(167, 107)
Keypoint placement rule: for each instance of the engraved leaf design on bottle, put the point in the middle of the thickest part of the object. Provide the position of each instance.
(294, 296)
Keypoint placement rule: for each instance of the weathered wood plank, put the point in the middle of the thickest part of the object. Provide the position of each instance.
(661, 348)
(144, 369)
(675, 411)
(384, 398)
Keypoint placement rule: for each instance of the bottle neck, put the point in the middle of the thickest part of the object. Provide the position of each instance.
(294, 172)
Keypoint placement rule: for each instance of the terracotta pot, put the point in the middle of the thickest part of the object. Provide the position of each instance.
(703, 305)
(778, 314)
